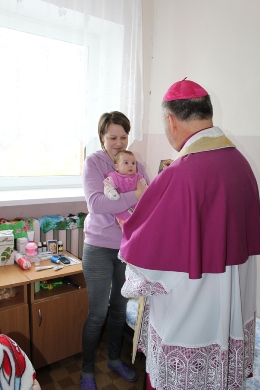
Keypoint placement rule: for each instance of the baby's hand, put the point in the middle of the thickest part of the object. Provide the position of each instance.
(143, 181)
(140, 189)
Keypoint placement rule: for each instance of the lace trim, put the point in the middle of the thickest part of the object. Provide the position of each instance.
(203, 368)
(136, 285)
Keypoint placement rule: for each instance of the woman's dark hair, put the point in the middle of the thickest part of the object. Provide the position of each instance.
(115, 117)
(190, 109)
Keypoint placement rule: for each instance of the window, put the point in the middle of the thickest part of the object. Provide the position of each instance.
(63, 64)
(43, 104)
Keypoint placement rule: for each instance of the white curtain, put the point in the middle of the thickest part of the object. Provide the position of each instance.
(107, 39)
(116, 78)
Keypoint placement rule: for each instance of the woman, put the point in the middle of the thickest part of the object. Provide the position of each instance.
(103, 272)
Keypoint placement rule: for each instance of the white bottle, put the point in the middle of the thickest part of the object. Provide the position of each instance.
(60, 248)
(39, 247)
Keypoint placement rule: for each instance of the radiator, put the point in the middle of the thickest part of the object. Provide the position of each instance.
(72, 240)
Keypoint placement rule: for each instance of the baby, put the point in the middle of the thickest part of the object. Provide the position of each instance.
(17, 371)
(123, 179)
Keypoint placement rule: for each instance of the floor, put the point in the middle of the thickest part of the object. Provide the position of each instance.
(65, 373)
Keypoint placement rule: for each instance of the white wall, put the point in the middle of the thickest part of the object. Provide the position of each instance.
(216, 44)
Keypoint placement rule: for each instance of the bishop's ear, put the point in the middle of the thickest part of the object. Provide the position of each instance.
(171, 122)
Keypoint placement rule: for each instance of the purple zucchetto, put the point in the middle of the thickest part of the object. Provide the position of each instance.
(185, 89)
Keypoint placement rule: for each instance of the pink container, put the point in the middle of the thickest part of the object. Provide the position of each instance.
(31, 248)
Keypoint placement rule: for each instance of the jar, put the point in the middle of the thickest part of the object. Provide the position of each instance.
(31, 248)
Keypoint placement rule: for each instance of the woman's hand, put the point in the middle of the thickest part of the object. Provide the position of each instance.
(140, 189)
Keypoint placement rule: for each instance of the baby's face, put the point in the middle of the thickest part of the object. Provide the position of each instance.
(126, 165)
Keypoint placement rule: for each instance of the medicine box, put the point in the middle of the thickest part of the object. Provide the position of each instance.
(6, 247)
(20, 245)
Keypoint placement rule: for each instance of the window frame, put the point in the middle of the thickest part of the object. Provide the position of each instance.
(93, 43)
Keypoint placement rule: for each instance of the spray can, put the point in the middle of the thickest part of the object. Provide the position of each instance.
(22, 261)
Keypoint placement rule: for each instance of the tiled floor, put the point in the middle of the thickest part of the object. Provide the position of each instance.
(65, 373)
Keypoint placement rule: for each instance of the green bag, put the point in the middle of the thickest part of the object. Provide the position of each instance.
(19, 227)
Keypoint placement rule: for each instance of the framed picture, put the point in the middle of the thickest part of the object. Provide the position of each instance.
(161, 165)
(52, 246)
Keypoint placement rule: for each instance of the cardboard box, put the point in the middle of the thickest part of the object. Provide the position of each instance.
(6, 247)
(20, 245)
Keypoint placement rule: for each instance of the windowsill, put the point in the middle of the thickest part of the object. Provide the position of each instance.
(40, 196)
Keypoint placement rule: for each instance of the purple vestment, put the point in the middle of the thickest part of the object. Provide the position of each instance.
(198, 216)
(190, 249)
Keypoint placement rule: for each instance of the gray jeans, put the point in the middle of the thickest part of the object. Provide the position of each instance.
(104, 274)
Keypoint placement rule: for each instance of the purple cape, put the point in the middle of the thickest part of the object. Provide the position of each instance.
(198, 216)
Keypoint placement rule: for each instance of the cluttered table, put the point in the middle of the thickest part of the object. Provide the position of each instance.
(38, 273)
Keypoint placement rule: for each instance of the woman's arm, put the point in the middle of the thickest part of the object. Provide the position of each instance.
(93, 177)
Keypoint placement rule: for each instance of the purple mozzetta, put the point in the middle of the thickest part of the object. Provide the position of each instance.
(212, 211)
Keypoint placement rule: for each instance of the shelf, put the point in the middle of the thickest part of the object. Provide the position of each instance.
(73, 271)
(61, 289)
(13, 276)
(18, 299)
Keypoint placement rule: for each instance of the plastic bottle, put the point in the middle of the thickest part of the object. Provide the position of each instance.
(44, 246)
(55, 259)
(37, 286)
(60, 248)
(39, 247)
(22, 261)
